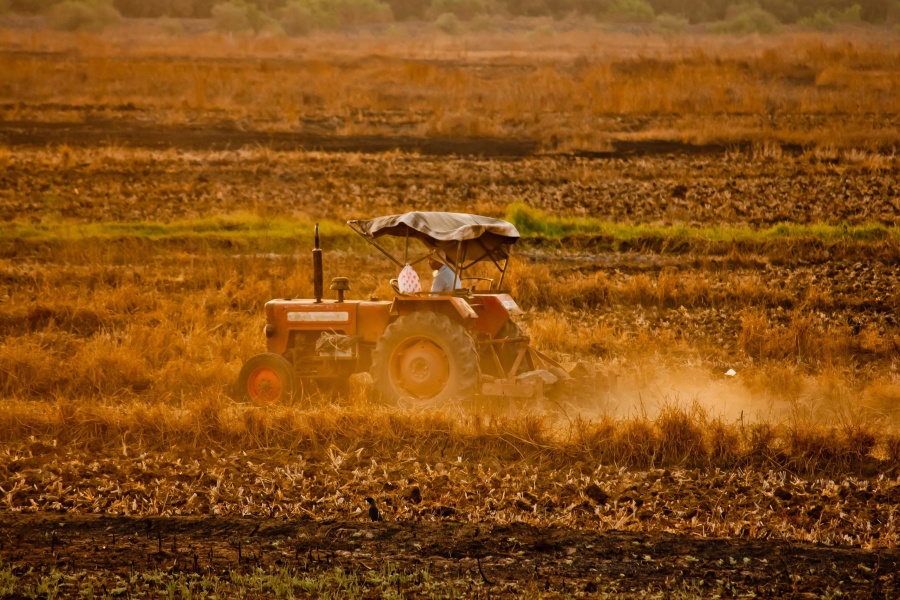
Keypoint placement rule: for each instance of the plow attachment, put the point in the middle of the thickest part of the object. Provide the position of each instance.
(543, 377)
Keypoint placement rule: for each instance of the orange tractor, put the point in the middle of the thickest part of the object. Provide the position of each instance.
(422, 348)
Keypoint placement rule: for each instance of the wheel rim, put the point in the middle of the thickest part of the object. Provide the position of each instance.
(264, 386)
(420, 368)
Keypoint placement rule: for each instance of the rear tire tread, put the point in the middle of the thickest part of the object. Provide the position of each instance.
(453, 339)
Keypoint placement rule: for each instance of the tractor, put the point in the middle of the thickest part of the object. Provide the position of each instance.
(422, 349)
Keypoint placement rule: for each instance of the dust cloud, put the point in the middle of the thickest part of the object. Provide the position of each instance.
(647, 391)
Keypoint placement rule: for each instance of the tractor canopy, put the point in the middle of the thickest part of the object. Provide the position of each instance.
(461, 239)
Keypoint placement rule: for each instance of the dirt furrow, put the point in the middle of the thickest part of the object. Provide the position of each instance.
(502, 556)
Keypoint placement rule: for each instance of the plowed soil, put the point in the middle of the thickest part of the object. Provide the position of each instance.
(225, 137)
(496, 560)
(502, 530)
(126, 171)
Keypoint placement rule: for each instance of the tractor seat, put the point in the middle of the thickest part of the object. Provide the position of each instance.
(395, 285)
(475, 281)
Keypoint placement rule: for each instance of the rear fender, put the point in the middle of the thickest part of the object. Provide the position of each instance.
(494, 310)
(455, 308)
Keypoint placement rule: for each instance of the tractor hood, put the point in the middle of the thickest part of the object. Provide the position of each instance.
(475, 237)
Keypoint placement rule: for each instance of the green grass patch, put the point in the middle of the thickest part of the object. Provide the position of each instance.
(299, 581)
(274, 234)
(534, 223)
(244, 230)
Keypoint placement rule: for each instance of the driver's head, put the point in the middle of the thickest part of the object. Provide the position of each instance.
(434, 263)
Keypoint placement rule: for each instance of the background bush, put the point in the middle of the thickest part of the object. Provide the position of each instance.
(78, 15)
(448, 23)
(671, 23)
(631, 11)
(748, 19)
(301, 16)
(298, 18)
(170, 25)
(465, 10)
(821, 21)
(31, 7)
(238, 16)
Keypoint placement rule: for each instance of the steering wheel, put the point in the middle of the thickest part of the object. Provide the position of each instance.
(477, 280)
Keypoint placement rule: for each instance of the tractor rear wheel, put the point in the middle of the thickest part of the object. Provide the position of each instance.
(266, 379)
(425, 359)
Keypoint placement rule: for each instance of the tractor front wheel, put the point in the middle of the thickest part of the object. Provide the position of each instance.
(425, 359)
(266, 379)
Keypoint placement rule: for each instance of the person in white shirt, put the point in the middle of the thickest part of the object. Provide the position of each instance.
(444, 278)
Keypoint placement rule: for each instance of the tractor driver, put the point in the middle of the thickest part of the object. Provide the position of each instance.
(444, 278)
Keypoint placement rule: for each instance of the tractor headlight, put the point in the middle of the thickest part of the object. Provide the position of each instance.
(270, 330)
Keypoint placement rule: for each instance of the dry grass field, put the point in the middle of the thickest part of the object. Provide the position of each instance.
(688, 206)
(582, 90)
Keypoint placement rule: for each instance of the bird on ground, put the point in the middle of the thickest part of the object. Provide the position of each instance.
(855, 323)
(373, 510)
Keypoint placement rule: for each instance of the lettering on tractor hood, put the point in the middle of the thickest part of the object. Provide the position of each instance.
(510, 305)
(334, 316)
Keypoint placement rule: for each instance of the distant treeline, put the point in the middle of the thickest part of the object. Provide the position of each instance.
(324, 13)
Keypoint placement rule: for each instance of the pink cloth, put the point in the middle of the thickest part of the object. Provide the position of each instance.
(408, 281)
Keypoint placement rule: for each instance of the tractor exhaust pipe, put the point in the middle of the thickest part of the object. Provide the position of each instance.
(318, 278)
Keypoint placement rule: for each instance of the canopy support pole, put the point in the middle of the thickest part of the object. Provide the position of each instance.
(365, 236)
(459, 256)
(502, 273)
